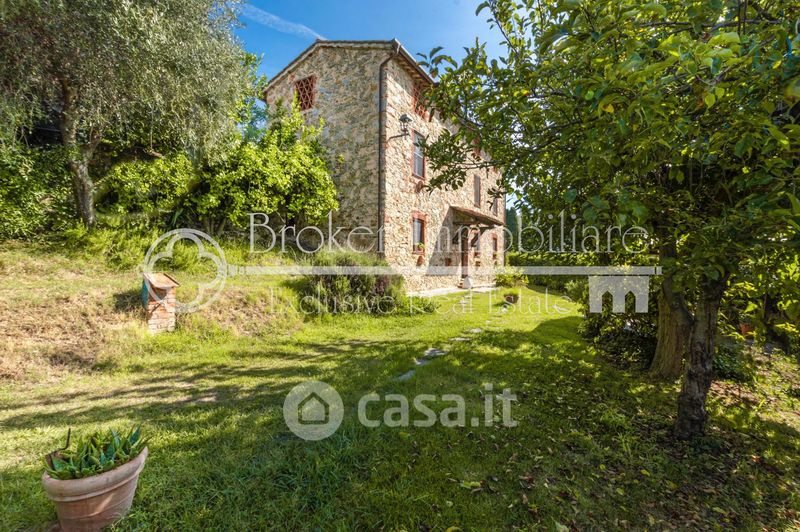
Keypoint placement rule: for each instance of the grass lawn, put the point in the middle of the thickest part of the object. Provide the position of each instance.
(592, 448)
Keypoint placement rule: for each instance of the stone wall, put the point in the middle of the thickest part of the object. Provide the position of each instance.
(406, 197)
(347, 101)
(347, 94)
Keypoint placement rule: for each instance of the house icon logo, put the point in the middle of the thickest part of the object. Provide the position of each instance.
(313, 410)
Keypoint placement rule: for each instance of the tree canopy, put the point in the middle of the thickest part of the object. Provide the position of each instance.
(163, 73)
(679, 116)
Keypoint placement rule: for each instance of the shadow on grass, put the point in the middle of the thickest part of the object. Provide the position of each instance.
(592, 449)
(128, 301)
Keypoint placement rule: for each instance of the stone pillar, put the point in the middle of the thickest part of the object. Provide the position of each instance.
(159, 301)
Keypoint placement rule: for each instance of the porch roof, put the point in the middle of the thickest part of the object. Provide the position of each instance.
(464, 216)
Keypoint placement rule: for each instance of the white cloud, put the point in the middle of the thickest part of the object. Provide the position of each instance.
(277, 23)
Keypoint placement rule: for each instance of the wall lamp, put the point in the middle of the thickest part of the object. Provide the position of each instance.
(405, 120)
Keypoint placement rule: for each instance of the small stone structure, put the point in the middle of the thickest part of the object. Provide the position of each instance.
(159, 301)
(369, 95)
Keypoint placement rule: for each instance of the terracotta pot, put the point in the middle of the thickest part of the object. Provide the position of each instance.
(512, 298)
(747, 329)
(91, 503)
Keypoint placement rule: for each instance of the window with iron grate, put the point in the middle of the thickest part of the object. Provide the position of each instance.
(305, 92)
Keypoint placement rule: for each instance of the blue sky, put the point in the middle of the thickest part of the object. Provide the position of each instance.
(281, 29)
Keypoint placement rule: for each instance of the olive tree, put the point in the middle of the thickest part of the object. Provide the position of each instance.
(678, 115)
(121, 71)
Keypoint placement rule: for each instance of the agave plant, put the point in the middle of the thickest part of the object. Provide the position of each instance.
(94, 454)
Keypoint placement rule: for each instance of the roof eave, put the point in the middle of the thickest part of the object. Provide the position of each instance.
(393, 44)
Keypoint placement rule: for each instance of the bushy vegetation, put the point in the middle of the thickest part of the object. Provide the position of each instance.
(282, 172)
(147, 193)
(34, 191)
(368, 293)
(680, 118)
(734, 362)
(511, 277)
(116, 75)
(629, 338)
(94, 454)
(551, 282)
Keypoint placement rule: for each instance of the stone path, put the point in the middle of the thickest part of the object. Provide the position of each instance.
(427, 357)
(435, 352)
(405, 376)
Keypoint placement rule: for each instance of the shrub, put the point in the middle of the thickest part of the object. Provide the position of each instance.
(510, 277)
(35, 194)
(627, 338)
(377, 294)
(734, 363)
(551, 282)
(94, 454)
(147, 192)
(285, 172)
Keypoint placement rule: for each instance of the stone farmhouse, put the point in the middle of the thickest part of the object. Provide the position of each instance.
(368, 94)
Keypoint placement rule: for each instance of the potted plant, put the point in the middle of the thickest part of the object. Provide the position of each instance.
(419, 250)
(511, 297)
(93, 485)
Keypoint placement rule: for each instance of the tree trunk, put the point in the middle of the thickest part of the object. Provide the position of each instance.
(697, 378)
(83, 190)
(672, 337)
(79, 155)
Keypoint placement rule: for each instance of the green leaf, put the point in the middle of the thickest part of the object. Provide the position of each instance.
(656, 9)
(792, 91)
(709, 99)
(795, 203)
(724, 38)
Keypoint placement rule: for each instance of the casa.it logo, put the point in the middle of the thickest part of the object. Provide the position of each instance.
(313, 410)
(207, 249)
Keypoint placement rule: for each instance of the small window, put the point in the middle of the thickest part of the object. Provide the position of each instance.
(476, 188)
(305, 92)
(418, 158)
(494, 244)
(418, 99)
(495, 205)
(418, 234)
